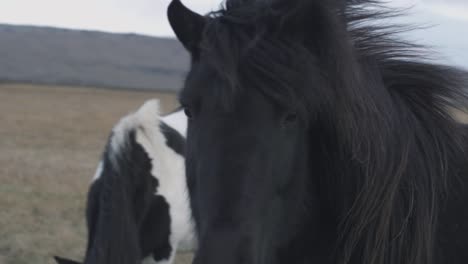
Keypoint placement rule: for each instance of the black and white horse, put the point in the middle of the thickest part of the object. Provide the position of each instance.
(316, 136)
(138, 209)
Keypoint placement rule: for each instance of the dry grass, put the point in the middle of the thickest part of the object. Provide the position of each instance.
(50, 142)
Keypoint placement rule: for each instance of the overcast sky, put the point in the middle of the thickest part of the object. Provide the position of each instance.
(449, 18)
(137, 16)
(149, 16)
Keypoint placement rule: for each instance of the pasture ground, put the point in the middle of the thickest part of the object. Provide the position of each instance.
(51, 139)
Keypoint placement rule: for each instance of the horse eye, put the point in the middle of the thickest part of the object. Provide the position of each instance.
(188, 112)
(290, 118)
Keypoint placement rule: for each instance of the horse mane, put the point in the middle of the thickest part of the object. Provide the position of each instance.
(386, 106)
(122, 194)
(410, 147)
(112, 229)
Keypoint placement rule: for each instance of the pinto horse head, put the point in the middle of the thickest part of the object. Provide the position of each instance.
(137, 209)
(314, 135)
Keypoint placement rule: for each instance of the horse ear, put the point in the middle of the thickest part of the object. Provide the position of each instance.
(60, 260)
(187, 25)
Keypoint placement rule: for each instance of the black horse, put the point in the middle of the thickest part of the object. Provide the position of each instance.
(315, 135)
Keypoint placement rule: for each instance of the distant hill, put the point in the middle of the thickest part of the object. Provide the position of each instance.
(70, 57)
(45, 55)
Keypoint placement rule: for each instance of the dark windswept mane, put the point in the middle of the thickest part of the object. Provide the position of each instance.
(389, 109)
(423, 145)
(237, 44)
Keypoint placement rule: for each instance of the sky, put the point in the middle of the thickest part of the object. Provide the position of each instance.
(135, 16)
(448, 18)
(149, 16)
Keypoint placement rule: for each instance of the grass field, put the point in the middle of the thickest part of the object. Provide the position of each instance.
(51, 139)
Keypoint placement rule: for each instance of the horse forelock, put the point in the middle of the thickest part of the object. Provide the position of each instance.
(244, 54)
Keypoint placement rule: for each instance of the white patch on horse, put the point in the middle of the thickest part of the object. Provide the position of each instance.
(98, 172)
(168, 168)
(119, 137)
(178, 121)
